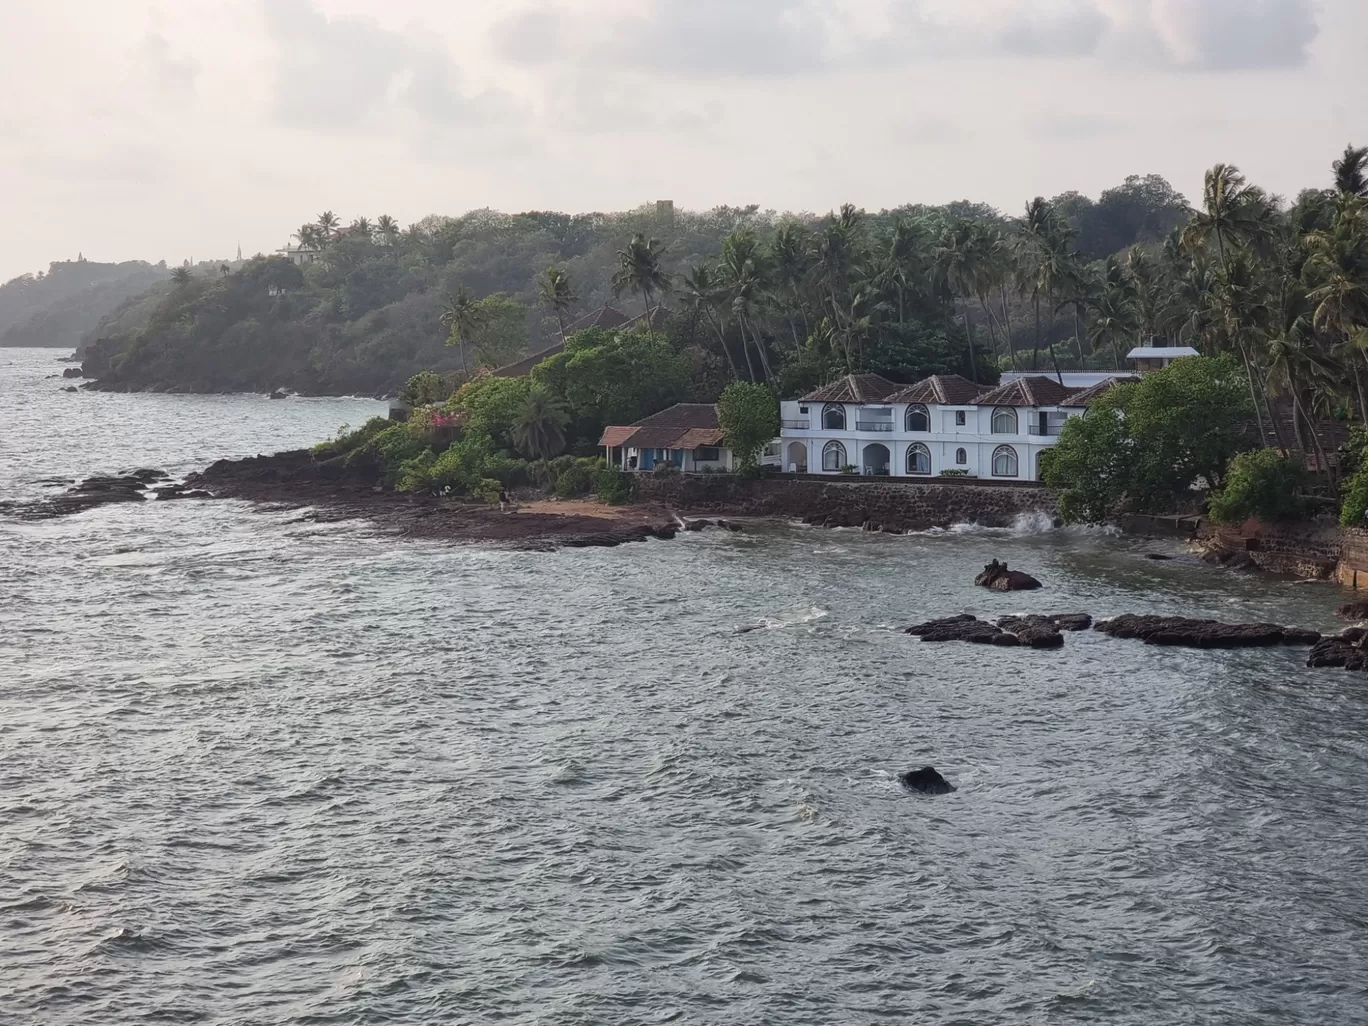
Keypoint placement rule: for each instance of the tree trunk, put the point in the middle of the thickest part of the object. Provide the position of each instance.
(973, 356)
(1035, 353)
(722, 341)
(1253, 393)
(988, 318)
(1078, 336)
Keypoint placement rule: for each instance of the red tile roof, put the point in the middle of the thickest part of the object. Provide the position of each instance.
(941, 389)
(1030, 391)
(1087, 396)
(683, 426)
(855, 388)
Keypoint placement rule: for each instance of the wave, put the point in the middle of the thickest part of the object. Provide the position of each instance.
(1024, 525)
(813, 614)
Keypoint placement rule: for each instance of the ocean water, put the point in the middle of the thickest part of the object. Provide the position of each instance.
(258, 770)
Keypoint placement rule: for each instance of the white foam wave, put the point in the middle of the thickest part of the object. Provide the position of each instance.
(813, 614)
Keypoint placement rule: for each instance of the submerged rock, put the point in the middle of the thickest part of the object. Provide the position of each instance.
(963, 628)
(1033, 631)
(73, 372)
(998, 577)
(926, 781)
(1354, 611)
(1189, 633)
(1344, 651)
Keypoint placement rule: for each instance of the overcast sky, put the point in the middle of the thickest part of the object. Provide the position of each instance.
(181, 128)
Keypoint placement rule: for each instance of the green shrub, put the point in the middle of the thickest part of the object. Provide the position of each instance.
(488, 489)
(614, 487)
(579, 477)
(415, 475)
(1355, 505)
(1261, 485)
(957, 472)
(347, 439)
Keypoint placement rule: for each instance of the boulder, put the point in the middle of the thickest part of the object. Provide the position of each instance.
(998, 577)
(73, 372)
(280, 393)
(1339, 653)
(727, 525)
(148, 474)
(71, 388)
(697, 525)
(666, 532)
(1353, 611)
(926, 781)
(963, 628)
(1033, 631)
(1072, 621)
(1158, 557)
(1189, 633)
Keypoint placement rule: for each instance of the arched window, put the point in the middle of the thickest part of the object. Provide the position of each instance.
(833, 417)
(834, 456)
(1004, 421)
(1005, 462)
(918, 420)
(961, 458)
(918, 460)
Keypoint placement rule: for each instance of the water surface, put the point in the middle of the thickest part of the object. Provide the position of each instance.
(255, 770)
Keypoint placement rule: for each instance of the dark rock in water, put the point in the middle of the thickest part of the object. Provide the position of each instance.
(1344, 652)
(1181, 631)
(1158, 557)
(697, 525)
(280, 393)
(727, 525)
(71, 388)
(997, 577)
(1033, 631)
(666, 532)
(148, 474)
(1072, 621)
(926, 781)
(73, 372)
(1354, 611)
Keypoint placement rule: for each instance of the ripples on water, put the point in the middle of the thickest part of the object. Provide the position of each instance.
(257, 770)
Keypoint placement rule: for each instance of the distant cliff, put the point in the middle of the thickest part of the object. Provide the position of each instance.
(61, 307)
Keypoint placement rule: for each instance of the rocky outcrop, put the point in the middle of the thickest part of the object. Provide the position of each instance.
(1353, 611)
(926, 781)
(997, 577)
(73, 372)
(1033, 631)
(1181, 631)
(87, 494)
(1008, 632)
(1345, 651)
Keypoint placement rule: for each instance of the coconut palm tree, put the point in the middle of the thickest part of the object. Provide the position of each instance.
(182, 276)
(1351, 172)
(790, 264)
(957, 266)
(388, 229)
(539, 428)
(328, 224)
(464, 319)
(1113, 307)
(361, 228)
(309, 236)
(701, 291)
(556, 292)
(742, 272)
(639, 271)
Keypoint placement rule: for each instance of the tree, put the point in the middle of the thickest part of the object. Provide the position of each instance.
(182, 276)
(556, 292)
(1351, 172)
(700, 291)
(464, 319)
(1092, 467)
(539, 430)
(639, 271)
(328, 225)
(749, 417)
(1261, 485)
(502, 335)
(387, 228)
(614, 377)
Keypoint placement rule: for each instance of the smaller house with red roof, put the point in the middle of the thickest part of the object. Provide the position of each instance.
(687, 437)
(944, 425)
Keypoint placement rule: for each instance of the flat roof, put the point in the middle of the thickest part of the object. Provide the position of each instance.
(1161, 353)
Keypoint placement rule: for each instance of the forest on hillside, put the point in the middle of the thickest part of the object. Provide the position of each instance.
(749, 294)
(60, 307)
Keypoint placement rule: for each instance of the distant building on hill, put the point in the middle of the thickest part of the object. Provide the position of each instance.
(300, 256)
(1152, 358)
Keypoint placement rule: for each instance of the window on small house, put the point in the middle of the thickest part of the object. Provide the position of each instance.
(918, 459)
(918, 420)
(833, 417)
(961, 457)
(961, 418)
(833, 456)
(803, 410)
(1005, 462)
(707, 455)
(1004, 421)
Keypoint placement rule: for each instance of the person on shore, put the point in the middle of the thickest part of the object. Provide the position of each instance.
(503, 501)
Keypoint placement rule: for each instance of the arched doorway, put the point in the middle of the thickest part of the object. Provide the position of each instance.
(876, 460)
(795, 460)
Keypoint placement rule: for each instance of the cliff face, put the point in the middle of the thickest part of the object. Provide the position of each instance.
(60, 308)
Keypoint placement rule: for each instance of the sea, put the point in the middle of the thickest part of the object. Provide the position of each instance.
(258, 769)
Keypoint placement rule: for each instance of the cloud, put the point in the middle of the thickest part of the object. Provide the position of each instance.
(166, 70)
(349, 75)
(1227, 35)
(1070, 128)
(1074, 31)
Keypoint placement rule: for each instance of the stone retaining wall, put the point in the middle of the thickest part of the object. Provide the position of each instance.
(1308, 548)
(892, 506)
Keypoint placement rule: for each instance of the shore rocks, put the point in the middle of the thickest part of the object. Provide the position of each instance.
(1353, 611)
(1033, 631)
(1188, 633)
(1344, 651)
(926, 781)
(73, 372)
(87, 494)
(997, 577)
(1040, 632)
(963, 628)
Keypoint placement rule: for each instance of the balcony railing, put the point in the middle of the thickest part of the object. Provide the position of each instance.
(885, 426)
(1046, 430)
(798, 425)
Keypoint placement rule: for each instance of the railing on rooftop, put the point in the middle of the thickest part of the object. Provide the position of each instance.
(1046, 430)
(874, 425)
(797, 425)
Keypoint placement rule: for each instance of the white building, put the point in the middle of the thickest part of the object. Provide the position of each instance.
(1153, 358)
(943, 426)
(686, 437)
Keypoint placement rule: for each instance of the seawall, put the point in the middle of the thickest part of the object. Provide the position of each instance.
(879, 504)
(1307, 548)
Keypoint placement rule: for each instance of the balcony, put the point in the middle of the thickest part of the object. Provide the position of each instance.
(797, 425)
(878, 426)
(1045, 430)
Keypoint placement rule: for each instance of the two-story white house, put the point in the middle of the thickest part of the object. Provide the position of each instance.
(943, 426)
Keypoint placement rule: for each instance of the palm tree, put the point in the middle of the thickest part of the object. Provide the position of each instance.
(790, 264)
(1113, 308)
(182, 276)
(957, 264)
(328, 223)
(539, 429)
(743, 274)
(361, 228)
(1293, 360)
(464, 318)
(309, 236)
(639, 271)
(556, 292)
(1351, 172)
(388, 228)
(1045, 255)
(224, 270)
(700, 291)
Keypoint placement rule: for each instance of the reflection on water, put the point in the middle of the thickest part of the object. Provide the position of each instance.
(260, 770)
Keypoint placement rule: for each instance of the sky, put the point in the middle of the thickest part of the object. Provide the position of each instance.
(181, 129)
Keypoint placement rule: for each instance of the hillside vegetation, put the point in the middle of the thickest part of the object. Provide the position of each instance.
(61, 307)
